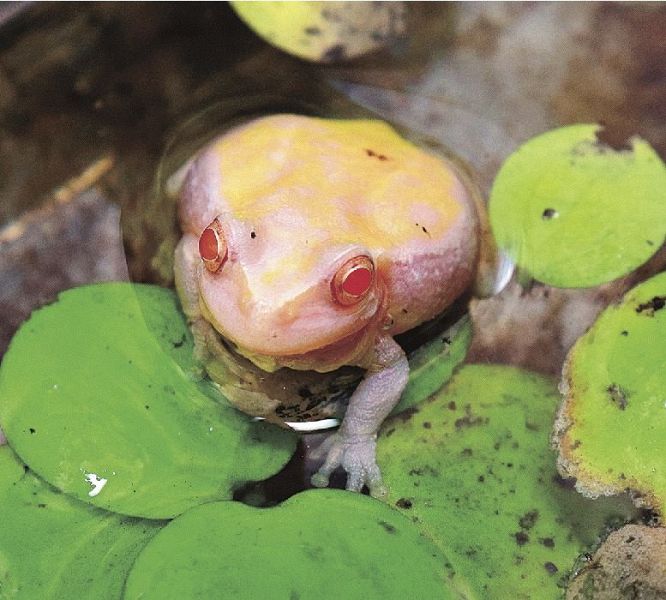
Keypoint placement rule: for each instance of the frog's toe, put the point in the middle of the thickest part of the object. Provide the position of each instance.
(357, 458)
(355, 481)
(378, 489)
(373, 480)
(319, 480)
(333, 460)
(363, 471)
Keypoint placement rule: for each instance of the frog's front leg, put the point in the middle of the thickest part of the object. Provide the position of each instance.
(353, 445)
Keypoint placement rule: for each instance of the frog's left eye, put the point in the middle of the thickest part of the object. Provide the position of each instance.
(353, 280)
(213, 247)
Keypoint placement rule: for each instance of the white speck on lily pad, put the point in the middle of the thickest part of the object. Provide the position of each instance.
(97, 483)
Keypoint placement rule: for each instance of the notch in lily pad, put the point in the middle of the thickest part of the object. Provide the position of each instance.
(611, 428)
(573, 211)
(100, 396)
(317, 544)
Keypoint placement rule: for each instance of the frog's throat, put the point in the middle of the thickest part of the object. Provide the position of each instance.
(355, 349)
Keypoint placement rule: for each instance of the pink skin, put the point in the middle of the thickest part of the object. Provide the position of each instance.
(273, 296)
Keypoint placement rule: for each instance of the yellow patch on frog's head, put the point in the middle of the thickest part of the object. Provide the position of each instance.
(357, 180)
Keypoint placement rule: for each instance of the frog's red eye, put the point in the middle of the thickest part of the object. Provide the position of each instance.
(213, 246)
(353, 280)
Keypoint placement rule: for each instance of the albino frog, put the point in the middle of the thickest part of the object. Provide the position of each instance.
(308, 244)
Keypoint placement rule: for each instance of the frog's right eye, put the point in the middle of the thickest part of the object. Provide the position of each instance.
(353, 280)
(213, 247)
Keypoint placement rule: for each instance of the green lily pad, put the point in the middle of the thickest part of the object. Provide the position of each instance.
(98, 395)
(474, 469)
(612, 425)
(318, 544)
(573, 212)
(328, 33)
(53, 547)
(432, 364)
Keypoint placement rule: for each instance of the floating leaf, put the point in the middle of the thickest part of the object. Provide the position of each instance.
(612, 424)
(99, 397)
(318, 544)
(574, 212)
(474, 469)
(54, 547)
(324, 32)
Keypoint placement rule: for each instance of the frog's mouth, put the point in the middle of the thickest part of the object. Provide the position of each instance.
(354, 349)
(309, 327)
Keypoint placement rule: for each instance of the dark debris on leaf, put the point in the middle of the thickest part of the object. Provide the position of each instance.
(618, 395)
(521, 538)
(528, 520)
(470, 420)
(652, 306)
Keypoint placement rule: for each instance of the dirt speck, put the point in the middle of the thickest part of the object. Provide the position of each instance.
(470, 419)
(521, 538)
(618, 395)
(528, 520)
(652, 306)
(403, 503)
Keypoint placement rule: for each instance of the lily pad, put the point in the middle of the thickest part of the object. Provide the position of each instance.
(327, 33)
(474, 469)
(99, 396)
(573, 212)
(318, 544)
(611, 428)
(53, 547)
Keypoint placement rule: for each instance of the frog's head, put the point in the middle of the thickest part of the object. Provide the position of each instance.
(315, 235)
(279, 287)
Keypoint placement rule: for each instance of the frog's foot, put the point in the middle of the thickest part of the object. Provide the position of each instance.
(356, 455)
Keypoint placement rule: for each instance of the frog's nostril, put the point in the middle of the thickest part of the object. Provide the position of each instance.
(353, 280)
(213, 247)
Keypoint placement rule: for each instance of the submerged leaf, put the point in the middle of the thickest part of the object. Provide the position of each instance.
(628, 565)
(55, 548)
(474, 469)
(432, 364)
(574, 212)
(612, 425)
(99, 396)
(318, 544)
